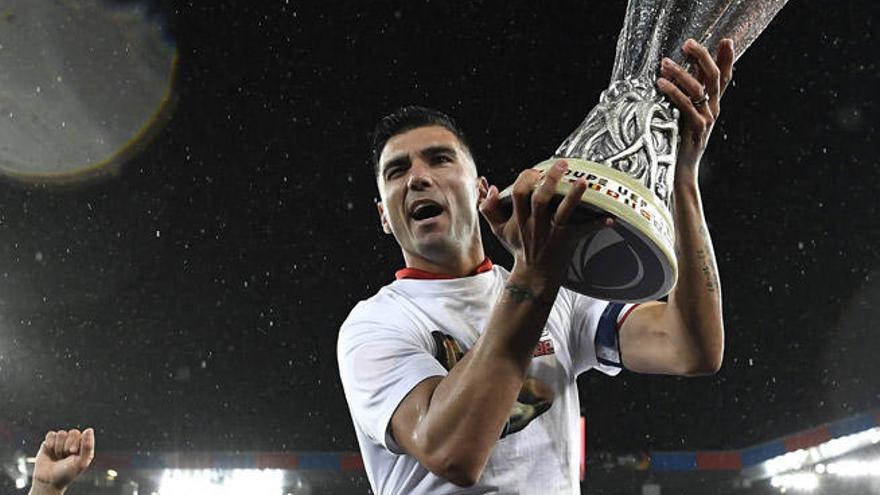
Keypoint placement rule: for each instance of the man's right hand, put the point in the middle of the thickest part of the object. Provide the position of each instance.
(541, 241)
(63, 456)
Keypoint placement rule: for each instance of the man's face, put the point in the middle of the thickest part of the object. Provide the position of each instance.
(429, 189)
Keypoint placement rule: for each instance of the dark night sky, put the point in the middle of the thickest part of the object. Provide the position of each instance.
(219, 331)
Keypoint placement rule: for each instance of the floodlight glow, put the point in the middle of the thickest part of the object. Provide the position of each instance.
(21, 478)
(854, 468)
(795, 481)
(840, 446)
(804, 458)
(77, 107)
(221, 482)
(791, 461)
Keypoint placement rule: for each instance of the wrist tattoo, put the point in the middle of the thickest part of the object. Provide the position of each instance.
(520, 294)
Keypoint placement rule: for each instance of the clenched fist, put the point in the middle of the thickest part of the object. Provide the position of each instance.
(63, 456)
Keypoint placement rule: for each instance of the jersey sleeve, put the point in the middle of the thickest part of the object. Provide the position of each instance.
(594, 341)
(379, 364)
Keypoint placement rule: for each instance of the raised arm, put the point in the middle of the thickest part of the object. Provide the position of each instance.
(451, 424)
(62, 457)
(686, 335)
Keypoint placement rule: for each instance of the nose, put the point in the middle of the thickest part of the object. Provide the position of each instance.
(419, 176)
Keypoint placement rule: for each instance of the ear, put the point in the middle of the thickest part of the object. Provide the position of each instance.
(483, 189)
(383, 219)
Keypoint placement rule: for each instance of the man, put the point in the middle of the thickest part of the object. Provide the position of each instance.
(460, 376)
(62, 457)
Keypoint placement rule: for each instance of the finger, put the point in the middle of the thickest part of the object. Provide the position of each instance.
(682, 78)
(60, 439)
(726, 56)
(87, 448)
(547, 188)
(588, 228)
(683, 103)
(48, 447)
(710, 72)
(522, 193)
(570, 202)
(491, 209)
(71, 446)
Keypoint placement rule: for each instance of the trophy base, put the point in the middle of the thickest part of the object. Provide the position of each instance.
(633, 261)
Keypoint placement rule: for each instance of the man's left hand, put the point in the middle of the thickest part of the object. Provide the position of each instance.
(698, 99)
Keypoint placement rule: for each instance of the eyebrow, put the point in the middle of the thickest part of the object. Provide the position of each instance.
(403, 158)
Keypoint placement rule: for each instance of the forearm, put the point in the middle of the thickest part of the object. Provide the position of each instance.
(695, 302)
(471, 405)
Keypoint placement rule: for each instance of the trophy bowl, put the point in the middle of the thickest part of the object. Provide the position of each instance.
(632, 261)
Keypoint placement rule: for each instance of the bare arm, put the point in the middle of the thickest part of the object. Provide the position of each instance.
(686, 335)
(451, 424)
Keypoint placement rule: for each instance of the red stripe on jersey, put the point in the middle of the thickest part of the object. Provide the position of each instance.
(416, 273)
(625, 316)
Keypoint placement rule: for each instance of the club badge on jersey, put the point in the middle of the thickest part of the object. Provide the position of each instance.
(535, 397)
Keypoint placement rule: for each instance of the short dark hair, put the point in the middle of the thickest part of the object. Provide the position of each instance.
(407, 118)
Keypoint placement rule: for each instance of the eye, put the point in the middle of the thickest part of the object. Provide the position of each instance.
(393, 172)
(442, 159)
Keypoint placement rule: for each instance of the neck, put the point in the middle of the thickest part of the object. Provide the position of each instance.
(458, 265)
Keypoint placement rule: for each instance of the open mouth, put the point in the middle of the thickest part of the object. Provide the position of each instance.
(425, 211)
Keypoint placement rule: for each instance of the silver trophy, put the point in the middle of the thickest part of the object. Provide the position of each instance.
(627, 146)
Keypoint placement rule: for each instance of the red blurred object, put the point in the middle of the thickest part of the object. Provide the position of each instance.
(583, 426)
(719, 461)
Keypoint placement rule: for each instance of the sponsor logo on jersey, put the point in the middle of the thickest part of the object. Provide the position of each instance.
(545, 345)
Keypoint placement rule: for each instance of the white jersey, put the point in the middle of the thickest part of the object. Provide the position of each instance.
(408, 331)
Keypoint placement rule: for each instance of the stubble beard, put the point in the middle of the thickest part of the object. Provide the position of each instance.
(447, 247)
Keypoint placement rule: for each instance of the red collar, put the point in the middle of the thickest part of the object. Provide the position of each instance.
(416, 273)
